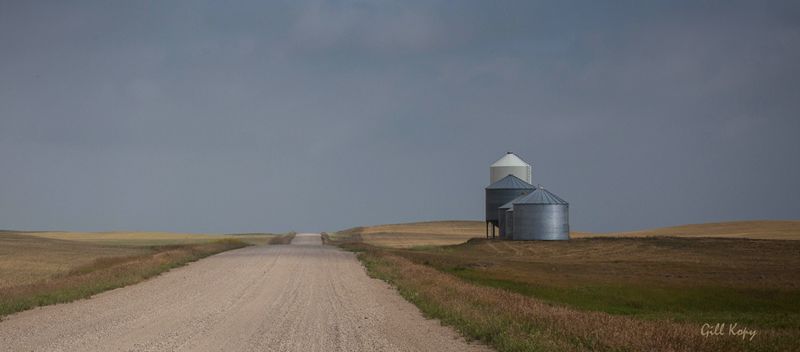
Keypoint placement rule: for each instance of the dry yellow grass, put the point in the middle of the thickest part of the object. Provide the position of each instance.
(435, 233)
(138, 239)
(102, 273)
(29, 257)
(128, 238)
(455, 227)
(26, 259)
(760, 229)
(442, 233)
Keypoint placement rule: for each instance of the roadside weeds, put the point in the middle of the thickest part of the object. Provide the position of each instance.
(106, 274)
(509, 321)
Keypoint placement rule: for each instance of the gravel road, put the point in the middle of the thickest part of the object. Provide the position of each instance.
(298, 297)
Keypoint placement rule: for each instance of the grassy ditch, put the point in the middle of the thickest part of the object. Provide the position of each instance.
(512, 312)
(107, 273)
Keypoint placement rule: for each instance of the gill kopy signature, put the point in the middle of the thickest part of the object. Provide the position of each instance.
(733, 329)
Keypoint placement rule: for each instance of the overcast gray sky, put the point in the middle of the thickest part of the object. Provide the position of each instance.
(211, 116)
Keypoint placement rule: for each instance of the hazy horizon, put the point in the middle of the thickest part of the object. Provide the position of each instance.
(195, 116)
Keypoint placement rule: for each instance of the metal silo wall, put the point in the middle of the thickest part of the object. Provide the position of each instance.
(509, 223)
(541, 222)
(497, 197)
(501, 222)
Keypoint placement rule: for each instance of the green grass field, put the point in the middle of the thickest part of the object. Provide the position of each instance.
(655, 278)
(670, 286)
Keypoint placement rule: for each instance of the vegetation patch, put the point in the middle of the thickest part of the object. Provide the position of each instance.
(107, 273)
(510, 321)
(435, 233)
(754, 307)
(260, 239)
(603, 293)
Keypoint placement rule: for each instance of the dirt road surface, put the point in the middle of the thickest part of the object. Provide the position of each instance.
(298, 297)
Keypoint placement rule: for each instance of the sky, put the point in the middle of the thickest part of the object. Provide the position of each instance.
(240, 116)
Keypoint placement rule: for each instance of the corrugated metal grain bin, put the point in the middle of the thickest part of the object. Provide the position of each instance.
(541, 215)
(503, 191)
(501, 218)
(509, 223)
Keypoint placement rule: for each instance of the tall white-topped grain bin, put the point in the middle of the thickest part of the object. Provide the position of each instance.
(510, 164)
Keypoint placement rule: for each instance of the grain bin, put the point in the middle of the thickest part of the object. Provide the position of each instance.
(509, 223)
(501, 218)
(510, 164)
(541, 215)
(502, 192)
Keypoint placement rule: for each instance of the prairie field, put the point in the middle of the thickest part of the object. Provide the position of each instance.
(762, 230)
(138, 239)
(126, 238)
(39, 268)
(441, 233)
(434, 233)
(26, 259)
(593, 292)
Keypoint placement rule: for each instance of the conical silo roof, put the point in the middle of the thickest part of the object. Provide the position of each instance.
(510, 159)
(540, 196)
(511, 182)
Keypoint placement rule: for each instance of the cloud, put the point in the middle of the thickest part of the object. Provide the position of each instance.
(366, 26)
(269, 116)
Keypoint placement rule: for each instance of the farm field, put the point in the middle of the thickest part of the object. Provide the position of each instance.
(705, 273)
(440, 233)
(434, 233)
(28, 257)
(25, 259)
(139, 239)
(38, 268)
(763, 230)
